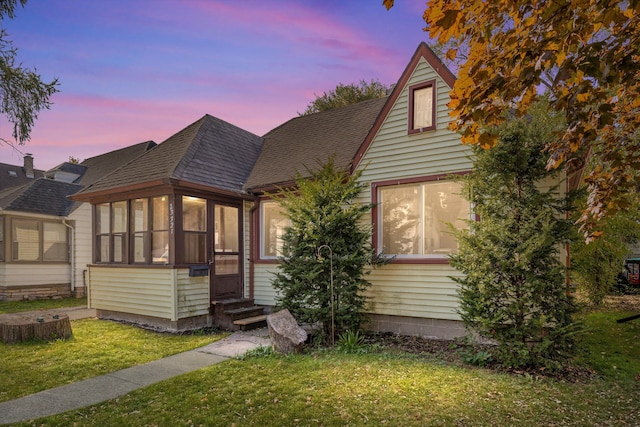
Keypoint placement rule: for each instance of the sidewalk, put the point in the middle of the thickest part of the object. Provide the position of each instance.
(115, 384)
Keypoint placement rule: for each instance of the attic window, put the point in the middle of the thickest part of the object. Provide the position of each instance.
(13, 174)
(422, 112)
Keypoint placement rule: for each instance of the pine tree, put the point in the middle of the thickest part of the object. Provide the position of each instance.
(326, 244)
(514, 289)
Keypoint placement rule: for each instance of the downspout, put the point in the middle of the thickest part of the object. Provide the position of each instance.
(252, 248)
(73, 257)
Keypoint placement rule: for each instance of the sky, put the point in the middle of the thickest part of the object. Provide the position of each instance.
(137, 70)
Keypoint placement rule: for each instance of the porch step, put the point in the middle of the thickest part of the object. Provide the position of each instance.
(226, 314)
(251, 322)
(244, 312)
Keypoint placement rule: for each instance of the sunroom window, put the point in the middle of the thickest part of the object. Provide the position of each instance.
(194, 224)
(413, 218)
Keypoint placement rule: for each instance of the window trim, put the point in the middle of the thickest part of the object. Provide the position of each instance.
(375, 213)
(412, 90)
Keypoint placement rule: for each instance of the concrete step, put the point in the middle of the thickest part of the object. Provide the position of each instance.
(243, 312)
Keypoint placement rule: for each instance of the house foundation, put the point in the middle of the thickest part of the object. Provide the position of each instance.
(414, 326)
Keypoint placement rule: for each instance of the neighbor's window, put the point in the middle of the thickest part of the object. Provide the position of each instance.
(36, 240)
(422, 113)
(273, 224)
(412, 218)
(194, 224)
(55, 246)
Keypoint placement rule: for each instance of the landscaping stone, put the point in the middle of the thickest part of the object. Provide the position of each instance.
(285, 333)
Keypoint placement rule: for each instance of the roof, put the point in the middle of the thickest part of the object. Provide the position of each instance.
(306, 141)
(209, 152)
(14, 176)
(42, 196)
(99, 166)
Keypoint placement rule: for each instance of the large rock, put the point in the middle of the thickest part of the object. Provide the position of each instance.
(286, 336)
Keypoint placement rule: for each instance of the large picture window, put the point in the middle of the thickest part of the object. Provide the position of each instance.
(273, 224)
(422, 112)
(36, 240)
(413, 218)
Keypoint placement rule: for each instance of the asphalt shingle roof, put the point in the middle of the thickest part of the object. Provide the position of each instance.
(17, 176)
(209, 152)
(306, 141)
(99, 166)
(42, 196)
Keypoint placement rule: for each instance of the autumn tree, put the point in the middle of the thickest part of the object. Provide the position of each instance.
(22, 92)
(344, 95)
(584, 54)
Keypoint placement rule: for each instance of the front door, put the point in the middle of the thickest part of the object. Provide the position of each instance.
(226, 265)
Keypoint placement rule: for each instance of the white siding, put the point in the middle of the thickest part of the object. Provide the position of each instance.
(83, 239)
(25, 274)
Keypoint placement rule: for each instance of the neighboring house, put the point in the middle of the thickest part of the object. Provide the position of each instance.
(197, 204)
(45, 238)
(14, 176)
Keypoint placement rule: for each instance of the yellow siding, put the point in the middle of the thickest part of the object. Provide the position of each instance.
(246, 232)
(143, 291)
(193, 295)
(415, 290)
(264, 293)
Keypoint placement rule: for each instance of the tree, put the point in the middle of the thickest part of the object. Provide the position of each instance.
(22, 92)
(326, 246)
(595, 266)
(513, 289)
(585, 54)
(344, 95)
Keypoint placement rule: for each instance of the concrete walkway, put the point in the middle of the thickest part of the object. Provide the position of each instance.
(115, 384)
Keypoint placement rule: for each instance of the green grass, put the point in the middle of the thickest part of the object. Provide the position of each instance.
(97, 347)
(41, 304)
(339, 389)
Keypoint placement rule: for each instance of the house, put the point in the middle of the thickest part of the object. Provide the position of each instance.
(189, 226)
(14, 176)
(45, 238)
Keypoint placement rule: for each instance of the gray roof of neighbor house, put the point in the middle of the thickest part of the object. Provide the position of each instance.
(305, 142)
(209, 152)
(42, 196)
(14, 176)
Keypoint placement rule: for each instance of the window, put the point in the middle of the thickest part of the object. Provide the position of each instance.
(160, 230)
(36, 240)
(226, 244)
(194, 225)
(412, 218)
(273, 224)
(111, 232)
(422, 112)
(145, 221)
(55, 246)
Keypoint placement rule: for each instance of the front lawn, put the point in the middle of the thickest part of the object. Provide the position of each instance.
(40, 304)
(384, 388)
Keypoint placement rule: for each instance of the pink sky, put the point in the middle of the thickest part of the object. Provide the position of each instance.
(139, 70)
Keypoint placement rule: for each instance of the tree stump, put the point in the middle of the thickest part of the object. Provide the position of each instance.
(38, 325)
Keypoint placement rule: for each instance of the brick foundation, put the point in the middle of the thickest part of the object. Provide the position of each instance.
(21, 293)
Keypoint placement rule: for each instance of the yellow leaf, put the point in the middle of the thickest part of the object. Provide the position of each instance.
(583, 97)
(488, 140)
(388, 4)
